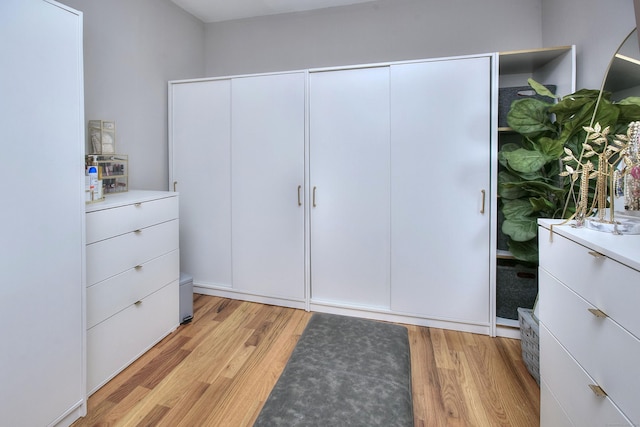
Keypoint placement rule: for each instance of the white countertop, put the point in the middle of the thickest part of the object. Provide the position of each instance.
(623, 248)
(126, 198)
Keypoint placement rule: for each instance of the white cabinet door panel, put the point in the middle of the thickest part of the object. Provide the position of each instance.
(440, 159)
(42, 214)
(201, 153)
(267, 163)
(349, 169)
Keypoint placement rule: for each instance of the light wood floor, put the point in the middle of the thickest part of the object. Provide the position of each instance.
(219, 369)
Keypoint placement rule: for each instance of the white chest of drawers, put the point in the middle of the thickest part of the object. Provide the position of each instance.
(132, 279)
(589, 327)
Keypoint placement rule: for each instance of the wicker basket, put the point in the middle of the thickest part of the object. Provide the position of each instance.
(530, 341)
(516, 286)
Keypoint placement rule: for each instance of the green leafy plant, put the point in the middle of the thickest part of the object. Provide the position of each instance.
(530, 185)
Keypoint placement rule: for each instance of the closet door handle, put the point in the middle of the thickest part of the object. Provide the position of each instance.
(314, 197)
(299, 199)
(175, 185)
(484, 193)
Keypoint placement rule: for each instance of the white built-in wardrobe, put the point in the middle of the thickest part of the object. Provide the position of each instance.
(359, 190)
(42, 237)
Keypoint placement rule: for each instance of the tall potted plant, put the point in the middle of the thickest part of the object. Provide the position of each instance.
(529, 183)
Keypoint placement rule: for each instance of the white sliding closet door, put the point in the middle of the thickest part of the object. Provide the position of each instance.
(267, 164)
(349, 170)
(440, 167)
(201, 171)
(42, 237)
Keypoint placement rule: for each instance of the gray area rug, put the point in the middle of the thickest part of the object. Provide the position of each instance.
(344, 371)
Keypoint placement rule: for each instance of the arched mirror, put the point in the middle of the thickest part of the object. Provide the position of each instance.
(622, 81)
(614, 181)
(623, 76)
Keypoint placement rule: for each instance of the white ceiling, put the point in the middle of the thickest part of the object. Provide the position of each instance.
(225, 10)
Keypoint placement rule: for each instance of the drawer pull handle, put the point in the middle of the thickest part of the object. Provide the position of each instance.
(596, 254)
(597, 312)
(138, 231)
(138, 267)
(597, 390)
(137, 302)
(137, 205)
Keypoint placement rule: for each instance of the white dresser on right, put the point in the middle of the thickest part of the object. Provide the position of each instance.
(589, 310)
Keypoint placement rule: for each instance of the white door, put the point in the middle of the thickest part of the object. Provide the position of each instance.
(440, 169)
(267, 167)
(200, 155)
(42, 214)
(349, 170)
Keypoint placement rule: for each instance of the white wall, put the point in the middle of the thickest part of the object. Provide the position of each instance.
(388, 30)
(384, 30)
(596, 27)
(132, 48)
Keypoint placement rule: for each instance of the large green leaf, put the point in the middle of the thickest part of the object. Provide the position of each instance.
(539, 187)
(525, 251)
(542, 204)
(504, 176)
(525, 161)
(521, 229)
(507, 188)
(518, 208)
(607, 114)
(509, 191)
(528, 142)
(574, 124)
(629, 110)
(530, 117)
(630, 100)
(538, 175)
(578, 105)
(553, 149)
(541, 89)
(505, 148)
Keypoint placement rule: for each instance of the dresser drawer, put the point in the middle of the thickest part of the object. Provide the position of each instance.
(116, 293)
(113, 344)
(606, 351)
(110, 257)
(106, 223)
(609, 285)
(570, 384)
(551, 413)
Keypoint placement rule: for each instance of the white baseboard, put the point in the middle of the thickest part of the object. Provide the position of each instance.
(374, 313)
(219, 291)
